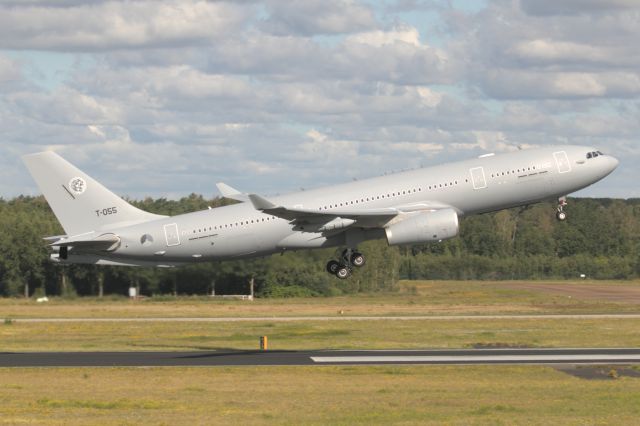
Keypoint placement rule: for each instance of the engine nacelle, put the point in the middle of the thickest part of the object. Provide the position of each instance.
(424, 227)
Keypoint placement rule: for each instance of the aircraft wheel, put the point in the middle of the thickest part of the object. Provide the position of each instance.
(332, 266)
(343, 272)
(561, 216)
(358, 260)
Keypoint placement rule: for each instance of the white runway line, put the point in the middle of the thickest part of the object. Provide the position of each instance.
(336, 318)
(476, 358)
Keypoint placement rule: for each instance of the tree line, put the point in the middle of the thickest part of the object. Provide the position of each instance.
(600, 240)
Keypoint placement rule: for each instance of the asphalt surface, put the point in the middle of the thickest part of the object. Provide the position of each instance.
(265, 358)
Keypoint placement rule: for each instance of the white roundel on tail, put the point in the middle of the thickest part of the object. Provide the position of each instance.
(77, 185)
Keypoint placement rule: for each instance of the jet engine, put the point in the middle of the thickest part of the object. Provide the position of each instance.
(424, 227)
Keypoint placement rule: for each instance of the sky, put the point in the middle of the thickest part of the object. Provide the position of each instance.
(164, 98)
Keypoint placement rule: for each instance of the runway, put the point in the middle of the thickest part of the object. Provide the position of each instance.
(328, 357)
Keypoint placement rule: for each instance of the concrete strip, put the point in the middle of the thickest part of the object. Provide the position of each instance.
(478, 359)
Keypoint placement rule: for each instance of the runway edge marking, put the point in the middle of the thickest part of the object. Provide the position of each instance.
(477, 358)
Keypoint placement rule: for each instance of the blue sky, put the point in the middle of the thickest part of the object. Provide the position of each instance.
(165, 98)
(47, 70)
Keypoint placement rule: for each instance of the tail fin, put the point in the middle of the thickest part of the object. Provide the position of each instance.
(80, 203)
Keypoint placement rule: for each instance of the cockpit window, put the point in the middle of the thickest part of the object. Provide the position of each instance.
(593, 154)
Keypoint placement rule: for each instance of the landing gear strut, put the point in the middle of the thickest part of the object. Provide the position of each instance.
(561, 215)
(347, 260)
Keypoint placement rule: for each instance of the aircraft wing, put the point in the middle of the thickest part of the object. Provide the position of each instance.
(384, 214)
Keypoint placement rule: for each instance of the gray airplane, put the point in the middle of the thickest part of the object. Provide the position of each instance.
(411, 207)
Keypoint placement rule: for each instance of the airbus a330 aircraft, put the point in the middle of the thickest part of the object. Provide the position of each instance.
(410, 207)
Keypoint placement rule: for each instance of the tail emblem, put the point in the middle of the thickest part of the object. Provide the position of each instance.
(77, 185)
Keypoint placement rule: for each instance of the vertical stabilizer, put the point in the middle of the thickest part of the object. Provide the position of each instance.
(80, 203)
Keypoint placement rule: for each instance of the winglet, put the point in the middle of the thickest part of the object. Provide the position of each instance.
(261, 203)
(232, 193)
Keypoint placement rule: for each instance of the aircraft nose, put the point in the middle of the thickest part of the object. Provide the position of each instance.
(612, 163)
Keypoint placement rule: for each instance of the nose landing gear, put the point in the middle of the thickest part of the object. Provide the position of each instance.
(561, 215)
(348, 260)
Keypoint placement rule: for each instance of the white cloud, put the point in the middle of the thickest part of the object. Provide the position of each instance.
(172, 96)
(517, 84)
(186, 82)
(363, 57)
(550, 51)
(429, 98)
(496, 141)
(567, 7)
(10, 71)
(411, 147)
(107, 25)
(577, 84)
(309, 17)
(322, 146)
(408, 35)
(66, 106)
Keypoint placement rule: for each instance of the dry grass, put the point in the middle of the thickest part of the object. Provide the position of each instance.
(414, 298)
(362, 334)
(314, 395)
(466, 395)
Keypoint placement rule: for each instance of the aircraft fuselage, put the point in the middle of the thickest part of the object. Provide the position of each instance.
(484, 184)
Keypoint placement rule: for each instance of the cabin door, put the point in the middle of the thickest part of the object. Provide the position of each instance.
(477, 178)
(562, 161)
(171, 234)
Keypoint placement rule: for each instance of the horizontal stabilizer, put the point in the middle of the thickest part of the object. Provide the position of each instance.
(96, 259)
(106, 242)
(55, 237)
(231, 193)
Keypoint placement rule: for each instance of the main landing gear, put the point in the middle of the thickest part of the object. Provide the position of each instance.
(561, 215)
(348, 260)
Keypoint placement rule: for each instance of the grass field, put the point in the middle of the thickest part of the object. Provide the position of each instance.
(414, 298)
(362, 334)
(466, 395)
(497, 395)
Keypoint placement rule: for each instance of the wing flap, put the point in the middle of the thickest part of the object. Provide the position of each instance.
(295, 213)
(322, 219)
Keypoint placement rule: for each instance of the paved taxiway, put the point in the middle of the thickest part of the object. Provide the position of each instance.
(247, 358)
